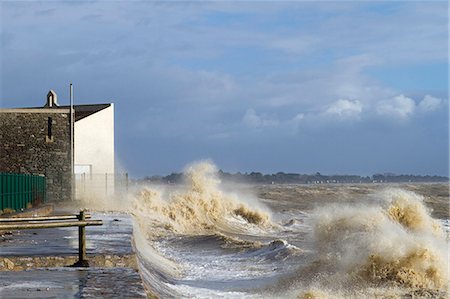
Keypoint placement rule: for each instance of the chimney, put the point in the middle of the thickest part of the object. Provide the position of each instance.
(52, 99)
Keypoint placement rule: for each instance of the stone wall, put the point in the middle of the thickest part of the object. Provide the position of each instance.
(25, 147)
(20, 263)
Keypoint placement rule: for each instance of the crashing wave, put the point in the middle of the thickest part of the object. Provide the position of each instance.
(396, 243)
(200, 207)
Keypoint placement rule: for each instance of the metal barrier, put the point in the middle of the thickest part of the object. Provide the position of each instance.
(54, 222)
(18, 191)
(100, 186)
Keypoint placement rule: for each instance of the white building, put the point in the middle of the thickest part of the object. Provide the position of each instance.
(94, 167)
(94, 139)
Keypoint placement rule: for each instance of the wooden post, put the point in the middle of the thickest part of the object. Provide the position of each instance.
(82, 260)
(47, 224)
(55, 222)
(44, 218)
(84, 184)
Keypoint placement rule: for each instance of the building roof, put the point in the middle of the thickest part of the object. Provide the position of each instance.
(82, 111)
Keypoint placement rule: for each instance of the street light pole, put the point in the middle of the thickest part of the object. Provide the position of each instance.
(72, 149)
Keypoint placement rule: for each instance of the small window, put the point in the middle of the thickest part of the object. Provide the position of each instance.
(49, 127)
(49, 137)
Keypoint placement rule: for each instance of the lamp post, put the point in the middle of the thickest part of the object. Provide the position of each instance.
(72, 149)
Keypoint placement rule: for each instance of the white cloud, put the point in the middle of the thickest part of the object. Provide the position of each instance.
(257, 121)
(430, 103)
(345, 109)
(293, 124)
(399, 106)
(299, 117)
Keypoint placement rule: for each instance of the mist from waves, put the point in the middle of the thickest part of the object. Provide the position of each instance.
(389, 247)
(199, 206)
(199, 241)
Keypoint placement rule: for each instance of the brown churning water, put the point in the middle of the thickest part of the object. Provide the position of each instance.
(199, 207)
(202, 241)
(389, 248)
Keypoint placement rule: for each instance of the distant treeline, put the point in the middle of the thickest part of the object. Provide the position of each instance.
(295, 178)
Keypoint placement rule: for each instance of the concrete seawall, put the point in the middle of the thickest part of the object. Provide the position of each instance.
(20, 263)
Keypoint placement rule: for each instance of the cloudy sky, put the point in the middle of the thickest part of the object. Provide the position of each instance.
(334, 87)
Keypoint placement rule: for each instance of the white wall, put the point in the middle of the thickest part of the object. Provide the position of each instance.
(94, 141)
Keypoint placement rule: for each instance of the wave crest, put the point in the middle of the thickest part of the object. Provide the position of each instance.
(200, 207)
(397, 243)
(407, 209)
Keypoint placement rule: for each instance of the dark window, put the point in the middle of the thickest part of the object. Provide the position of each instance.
(49, 127)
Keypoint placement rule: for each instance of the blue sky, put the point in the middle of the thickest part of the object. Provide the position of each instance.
(334, 87)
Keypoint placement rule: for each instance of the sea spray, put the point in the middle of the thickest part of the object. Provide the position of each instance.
(198, 211)
(391, 242)
(383, 245)
(408, 209)
(200, 206)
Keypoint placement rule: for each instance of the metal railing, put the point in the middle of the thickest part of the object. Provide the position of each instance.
(101, 186)
(55, 222)
(19, 191)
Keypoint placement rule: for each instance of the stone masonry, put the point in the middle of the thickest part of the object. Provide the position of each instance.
(37, 141)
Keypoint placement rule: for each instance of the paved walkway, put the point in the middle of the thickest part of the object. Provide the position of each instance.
(72, 283)
(113, 237)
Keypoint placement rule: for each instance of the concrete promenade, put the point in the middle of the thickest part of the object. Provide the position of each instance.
(34, 263)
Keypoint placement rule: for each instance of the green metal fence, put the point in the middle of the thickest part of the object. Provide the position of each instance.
(18, 191)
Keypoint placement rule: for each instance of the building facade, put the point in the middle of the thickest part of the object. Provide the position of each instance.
(94, 152)
(38, 141)
(94, 139)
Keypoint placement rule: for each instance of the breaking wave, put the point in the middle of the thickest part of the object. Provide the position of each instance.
(392, 242)
(198, 240)
(275, 250)
(200, 206)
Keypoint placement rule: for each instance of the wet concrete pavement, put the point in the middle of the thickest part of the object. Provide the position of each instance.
(71, 283)
(113, 237)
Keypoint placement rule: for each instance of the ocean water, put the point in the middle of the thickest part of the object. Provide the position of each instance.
(209, 239)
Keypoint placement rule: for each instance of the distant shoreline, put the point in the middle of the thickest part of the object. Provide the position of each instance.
(307, 179)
